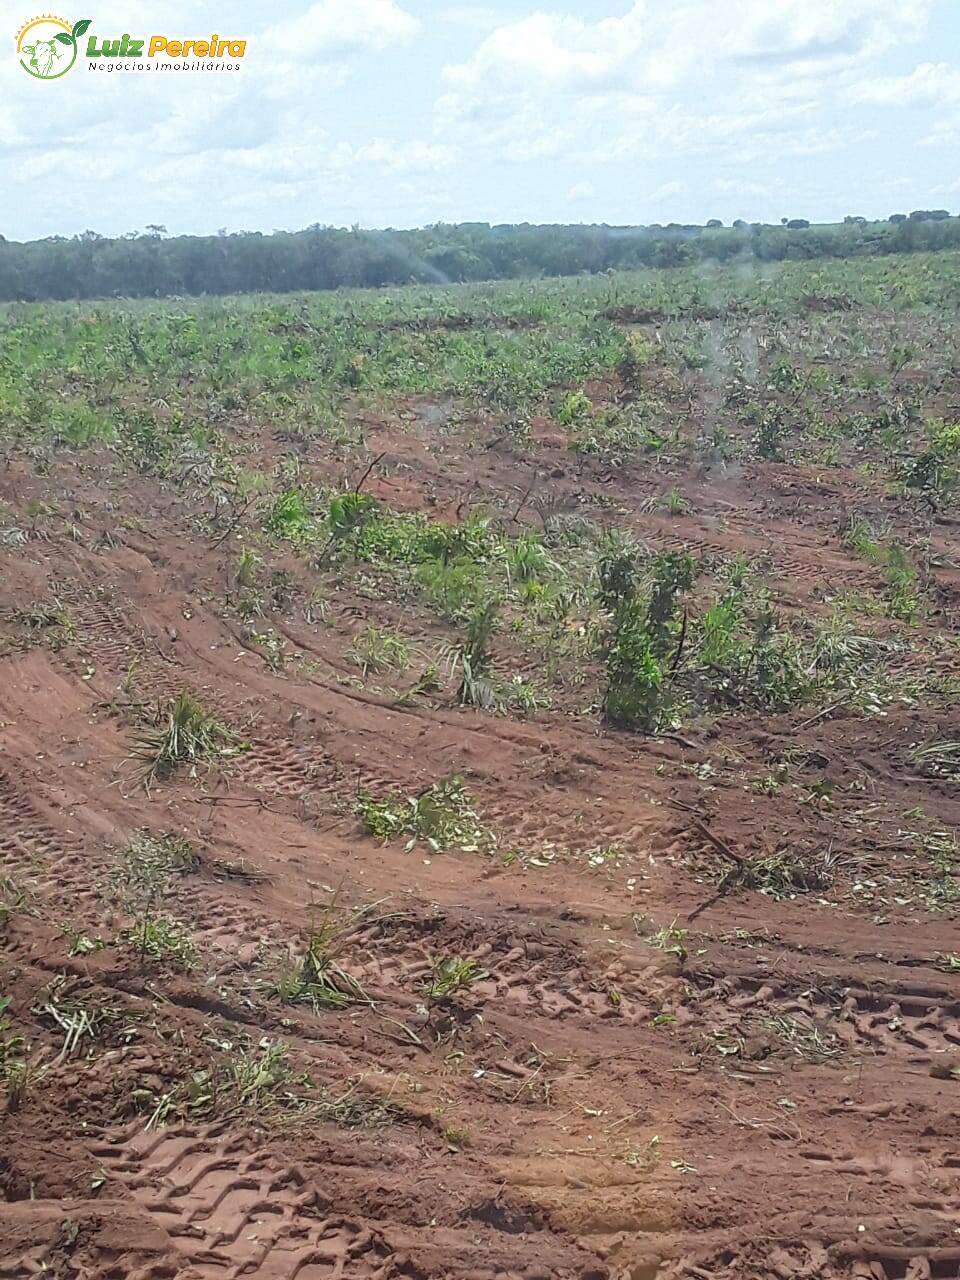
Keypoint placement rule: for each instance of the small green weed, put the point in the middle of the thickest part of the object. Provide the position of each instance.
(668, 938)
(163, 939)
(378, 651)
(450, 975)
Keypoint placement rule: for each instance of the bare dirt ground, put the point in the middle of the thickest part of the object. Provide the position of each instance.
(767, 1093)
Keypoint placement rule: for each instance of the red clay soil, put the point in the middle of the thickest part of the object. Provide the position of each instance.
(769, 1096)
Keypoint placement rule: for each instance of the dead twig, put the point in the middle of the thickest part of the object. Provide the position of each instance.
(234, 522)
(366, 475)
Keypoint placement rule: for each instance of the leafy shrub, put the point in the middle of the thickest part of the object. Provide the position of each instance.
(618, 569)
(455, 587)
(633, 695)
(574, 408)
(473, 659)
(741, 657)
(349, 513)
(642, 638)
(770, 428)
(673, 572)
(163, 939)
(719, 626)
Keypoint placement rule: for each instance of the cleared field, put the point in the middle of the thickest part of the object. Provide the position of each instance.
(479, 781)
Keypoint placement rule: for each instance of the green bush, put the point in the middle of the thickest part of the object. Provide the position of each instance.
(574, 408)
(634, 692)
(643, 637)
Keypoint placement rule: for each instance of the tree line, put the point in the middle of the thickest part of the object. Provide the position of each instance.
(151, 263)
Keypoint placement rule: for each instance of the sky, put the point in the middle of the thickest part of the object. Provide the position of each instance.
(407, 112)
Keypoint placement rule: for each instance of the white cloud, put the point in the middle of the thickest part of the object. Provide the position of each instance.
(553, 50)
(741, 187)
(945, 133)
(332, 28)
(654, 46)
(471, 17)
(405, 157)
(665, 191)
(660, 79)
(581, 191)
(929, 84)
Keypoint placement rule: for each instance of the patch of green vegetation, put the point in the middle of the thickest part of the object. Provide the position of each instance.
(668, 938)
(643, 636)
(573, 408)
(49, 618)
(257, 1077)
(14, 898)
(182, 733)
(81, 944)
(249, 563)
(451, 974)
(84, 1017)
(471, 661)
(290, 516)
(163, 939)
(141, 880)
(769, 426)
(442, 817)
(802, 1036)
(615, 434)
(10, 1044)
(780, 876)
(743, 657)
(378, 651)
(319, 979)
(14, 1069)
(936, 469)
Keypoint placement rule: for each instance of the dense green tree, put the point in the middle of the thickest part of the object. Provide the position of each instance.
(320, 257)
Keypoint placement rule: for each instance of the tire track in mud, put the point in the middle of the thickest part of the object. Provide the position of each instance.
(301, 773)
(811, 1260)
(791, 567)
(61, 871)
(104, 629)
(901, 1020)
(132, 1248)
(528, 976)
(231, 1209)
(37, 858)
